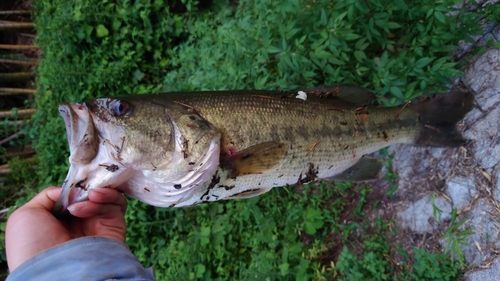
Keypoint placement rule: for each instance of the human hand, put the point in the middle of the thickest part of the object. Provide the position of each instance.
(33, 229)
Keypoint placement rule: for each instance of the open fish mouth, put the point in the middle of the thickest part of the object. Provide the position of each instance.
(84, 145)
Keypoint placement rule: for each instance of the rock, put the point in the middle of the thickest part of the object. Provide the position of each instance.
(461, 190)
(497, 180)
(419, 214)
(490, 274)
(484, 133)
(483, 122)
(484, 235)
(496, 32)
(484, 78)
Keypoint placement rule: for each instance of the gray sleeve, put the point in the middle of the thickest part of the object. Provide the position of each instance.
(88, 258)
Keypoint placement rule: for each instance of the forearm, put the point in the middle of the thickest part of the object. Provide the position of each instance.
(89, 258)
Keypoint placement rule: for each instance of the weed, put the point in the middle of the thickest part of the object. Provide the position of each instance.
(93, 48)
(454, 238)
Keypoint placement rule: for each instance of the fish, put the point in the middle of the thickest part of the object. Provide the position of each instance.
(182, 149)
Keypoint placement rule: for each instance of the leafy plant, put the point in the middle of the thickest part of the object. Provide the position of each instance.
(455, 236)
(400, 49)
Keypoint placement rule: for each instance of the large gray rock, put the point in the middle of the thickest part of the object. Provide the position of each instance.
(490, 274)
(485, 232)
(419, 215)
(496, 180)
(461, 190)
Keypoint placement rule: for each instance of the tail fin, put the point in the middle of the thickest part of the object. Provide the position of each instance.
(439, 114)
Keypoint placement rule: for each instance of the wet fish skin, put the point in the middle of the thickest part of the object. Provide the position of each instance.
(182, 149)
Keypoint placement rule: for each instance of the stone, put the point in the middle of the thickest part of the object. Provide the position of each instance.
(484, 232)
(497, 180)
(461, 191)
(489, 274)
(484, 133)
(419, 214)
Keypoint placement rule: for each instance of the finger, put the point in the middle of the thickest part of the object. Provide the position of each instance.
(95, 219)
(88, 209)
(112, 228)
(46, 199)
(108, 196)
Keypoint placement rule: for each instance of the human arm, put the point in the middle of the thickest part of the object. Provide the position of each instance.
(89, 243)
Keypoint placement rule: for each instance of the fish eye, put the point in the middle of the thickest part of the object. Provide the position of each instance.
(119, 107)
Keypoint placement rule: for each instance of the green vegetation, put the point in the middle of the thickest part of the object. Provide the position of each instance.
(401, 49)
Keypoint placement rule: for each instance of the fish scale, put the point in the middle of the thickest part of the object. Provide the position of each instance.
(183, 149)
(299, 124)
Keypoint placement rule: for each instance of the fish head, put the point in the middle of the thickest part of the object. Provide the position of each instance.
(155, 150)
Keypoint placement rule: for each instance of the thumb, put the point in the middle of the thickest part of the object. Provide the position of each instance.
(45, 200)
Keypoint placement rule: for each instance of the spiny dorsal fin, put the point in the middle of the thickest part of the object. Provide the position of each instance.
(255, 159)
(367, 168)
(355, 95)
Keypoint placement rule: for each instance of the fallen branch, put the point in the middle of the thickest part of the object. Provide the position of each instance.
(11, 137)
(19, 61)
(20, 113)
(15, 76)
(25, 12)
(16, 47)
(5, 171)
(4, 25)
(15, 91)
(14, 154)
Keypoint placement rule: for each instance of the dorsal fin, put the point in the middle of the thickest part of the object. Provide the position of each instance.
(355, 95)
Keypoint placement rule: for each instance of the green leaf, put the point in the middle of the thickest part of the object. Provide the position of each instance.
(102, 31)
(352, 36)
(138, 75)
(396, 92)
(359, 55)
(88, 29)
(393, 25)
(272, 49)
(423, 62)
(200, 270)
(439, 16)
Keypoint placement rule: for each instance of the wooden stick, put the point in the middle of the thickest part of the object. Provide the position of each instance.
(14, 154)
(16, 47)
(13, 91)
(15, 76)
(11, 137)
(15, 12)
(19, 61)
(15, 123)
(20, 112)
(5, 171)
(18, 90)
(4, 25)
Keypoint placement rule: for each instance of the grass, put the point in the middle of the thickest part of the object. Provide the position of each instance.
(400, 49)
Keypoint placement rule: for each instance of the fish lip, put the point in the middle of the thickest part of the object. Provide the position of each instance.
(76, 118)
(70, 193)
(66, 113)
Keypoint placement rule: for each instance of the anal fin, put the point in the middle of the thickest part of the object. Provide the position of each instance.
(255, 159)
(367, 168)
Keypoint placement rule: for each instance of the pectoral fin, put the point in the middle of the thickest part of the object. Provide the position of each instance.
(367, 168)
(255, 159)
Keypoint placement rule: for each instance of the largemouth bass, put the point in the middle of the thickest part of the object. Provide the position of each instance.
(183, 149)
